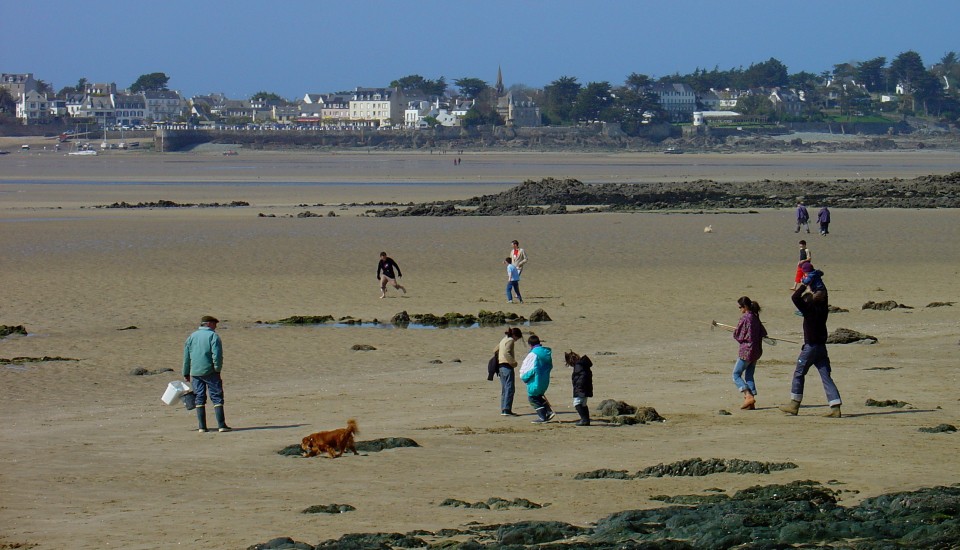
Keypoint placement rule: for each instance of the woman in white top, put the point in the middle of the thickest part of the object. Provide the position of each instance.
(518, 256)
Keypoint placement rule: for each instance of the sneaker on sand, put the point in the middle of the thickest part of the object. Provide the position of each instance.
(202, 430)
(539, 421)
(509, 301)
(551, 416)
(225, 429)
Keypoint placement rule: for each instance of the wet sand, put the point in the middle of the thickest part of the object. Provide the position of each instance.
(93, 459)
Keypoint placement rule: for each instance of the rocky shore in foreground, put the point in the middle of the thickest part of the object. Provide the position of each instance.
(555, 196)
(801, 514)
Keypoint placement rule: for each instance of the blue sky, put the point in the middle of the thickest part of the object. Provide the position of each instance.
(293, 47)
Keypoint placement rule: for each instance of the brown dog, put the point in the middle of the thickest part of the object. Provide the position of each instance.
(333, 442)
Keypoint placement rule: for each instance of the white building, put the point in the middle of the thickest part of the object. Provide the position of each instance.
(32, 107)
(163, 105)
(678, 100)
(379, 105)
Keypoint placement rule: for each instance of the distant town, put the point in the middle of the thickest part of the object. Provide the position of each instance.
(764, 93)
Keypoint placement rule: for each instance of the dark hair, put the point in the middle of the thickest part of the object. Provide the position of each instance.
(571, 357)
(516, 242)
(803, 243)
(383, 254)
(746, 302)
(514, 332)
(533, 340)
(508, 260)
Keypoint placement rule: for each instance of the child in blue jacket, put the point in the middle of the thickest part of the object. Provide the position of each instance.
(535, 373)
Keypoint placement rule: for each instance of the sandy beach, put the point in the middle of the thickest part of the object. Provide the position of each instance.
(91, 458)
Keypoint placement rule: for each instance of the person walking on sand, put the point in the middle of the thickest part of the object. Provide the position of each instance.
(535, 373)
(815, 307)
(513, 281)
(202, 362)
(823, 218)
(805, 257)
(749, 333)
(518, 256)
(385, 274)
(506, 362)
(803, 217)
(582, 380)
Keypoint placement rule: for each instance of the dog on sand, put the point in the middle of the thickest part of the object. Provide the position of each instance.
(332, 442)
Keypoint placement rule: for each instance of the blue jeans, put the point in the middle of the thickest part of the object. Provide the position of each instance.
(816, 355)
(211, 382)
(507, 388)
(743, 376)
(514, 286)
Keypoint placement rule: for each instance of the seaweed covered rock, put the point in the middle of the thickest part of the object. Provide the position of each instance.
(539, 316)
(366, 541)
(493, 503)
(495, 318)
(849, 336)
(382, 444)
(887, 403)
(303, 320)
(884, 306)
(801, 514)
(612, 407)
(401, 319)
(328, 509)
(7, 330)
(939, 429)
(537, 532)
(699, 467)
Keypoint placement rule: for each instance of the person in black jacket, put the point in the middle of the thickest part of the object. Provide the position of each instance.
(582, 379)
(385, 274)
(815, 308)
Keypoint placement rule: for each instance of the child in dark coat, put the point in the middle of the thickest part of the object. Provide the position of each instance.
(582, 379)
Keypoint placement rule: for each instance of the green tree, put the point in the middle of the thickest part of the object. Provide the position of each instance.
(755, 105)
(416, 83)
(559, 97)
(471, 87)
(630, 107)
(152, 82)
(8, 105)
(769, 74)
(872, 74)
(268, 97)
(907, 67)
(636, 82)
(595, 102)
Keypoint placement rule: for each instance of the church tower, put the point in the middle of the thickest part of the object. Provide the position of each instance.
(499, 86)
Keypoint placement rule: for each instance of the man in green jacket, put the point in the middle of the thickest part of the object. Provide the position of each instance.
(202, 361)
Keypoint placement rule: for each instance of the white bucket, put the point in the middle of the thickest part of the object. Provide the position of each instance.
(174, 390)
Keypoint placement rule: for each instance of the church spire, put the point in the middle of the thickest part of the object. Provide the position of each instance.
(499, 86)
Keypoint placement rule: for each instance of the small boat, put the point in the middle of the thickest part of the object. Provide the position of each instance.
(83, 153)
(673, 151)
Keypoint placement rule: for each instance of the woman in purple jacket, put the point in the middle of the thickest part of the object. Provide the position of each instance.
(750, 334)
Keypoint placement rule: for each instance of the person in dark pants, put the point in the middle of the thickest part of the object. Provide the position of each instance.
(506, 363)
(815, 308)
(823, 218)
(803, 217)
(582, 380)
(202, 362)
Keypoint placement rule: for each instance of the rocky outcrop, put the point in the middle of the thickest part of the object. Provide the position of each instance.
(801, 514)
(554, 196)
(849, 336)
